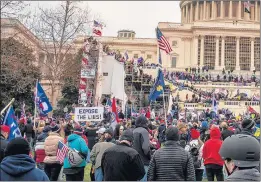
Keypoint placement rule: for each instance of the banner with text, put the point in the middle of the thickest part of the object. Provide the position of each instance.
(88, 114)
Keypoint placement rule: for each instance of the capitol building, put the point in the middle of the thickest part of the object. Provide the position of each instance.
(217, 34)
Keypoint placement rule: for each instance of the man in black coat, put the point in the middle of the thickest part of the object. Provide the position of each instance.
(29, 132)
(172, 162)
(3, 140)
(121, 162)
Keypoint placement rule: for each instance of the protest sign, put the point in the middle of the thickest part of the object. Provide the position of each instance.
(88, 114)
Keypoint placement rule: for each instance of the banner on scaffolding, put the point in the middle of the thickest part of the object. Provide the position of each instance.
(88, 114)
(88, 73)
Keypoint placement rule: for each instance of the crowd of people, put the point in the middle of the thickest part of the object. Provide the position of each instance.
(142, 148)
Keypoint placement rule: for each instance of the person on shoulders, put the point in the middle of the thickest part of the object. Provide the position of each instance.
(18, 165)
(121, 162)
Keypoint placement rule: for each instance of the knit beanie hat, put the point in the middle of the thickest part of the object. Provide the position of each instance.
(17, 146)
(248, 124)
(172, 133)
(127, 135)
(78, 130)
(194, 134)
(109, 131)
(204, 124)
(54, 127)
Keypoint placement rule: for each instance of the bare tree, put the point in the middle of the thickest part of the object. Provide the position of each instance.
(12, 9)
(57, 27)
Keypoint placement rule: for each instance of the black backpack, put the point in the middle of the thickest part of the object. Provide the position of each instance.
(194, 152)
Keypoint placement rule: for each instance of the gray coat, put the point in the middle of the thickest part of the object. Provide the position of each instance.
(171, 163)
(245, 175)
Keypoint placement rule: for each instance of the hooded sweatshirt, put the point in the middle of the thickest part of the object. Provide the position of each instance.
(20, 167)
(76, 142)
(211, 148)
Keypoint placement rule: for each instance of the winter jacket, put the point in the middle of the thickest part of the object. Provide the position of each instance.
(91, 135)
(245, 175)
(50, 148)
(141, 144)
(97, 152)
(76, 142)
(3, 144)
(122, 163)
(195, 143)
(39, 147)
(161, 131)
(171, 163)
(29, 130)
(212, 147)
(20, 167)
(226, 133)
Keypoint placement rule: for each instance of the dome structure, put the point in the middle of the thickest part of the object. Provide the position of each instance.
(216, 10)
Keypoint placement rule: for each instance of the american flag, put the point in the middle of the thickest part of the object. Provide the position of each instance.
(162, 41)
(61, 152)
(97, 32)
(97, 24)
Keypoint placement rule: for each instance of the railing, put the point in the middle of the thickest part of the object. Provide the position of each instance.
(226, 103)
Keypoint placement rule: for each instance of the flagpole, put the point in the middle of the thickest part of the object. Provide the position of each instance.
(35, 102)
(164, 110)
(6, 107)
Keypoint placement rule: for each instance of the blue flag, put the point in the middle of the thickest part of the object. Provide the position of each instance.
(42, 102)
(10, 120)
(158, 87)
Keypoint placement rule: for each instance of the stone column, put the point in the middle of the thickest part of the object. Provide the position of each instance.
(191, 12)
(187, 14)
(217, 53)
(252, 65)
(252, 13)
(230, 9)
(213, 10)
(256, 11)
(239, 10)
(237, 53)
(204, 10)
(197, 7)
(222, 52)
(202, 51)
(221, 9)
(196, 49)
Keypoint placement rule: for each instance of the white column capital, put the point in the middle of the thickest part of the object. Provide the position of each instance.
(252, 39)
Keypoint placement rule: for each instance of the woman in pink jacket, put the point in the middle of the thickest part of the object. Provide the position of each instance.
(52, 166)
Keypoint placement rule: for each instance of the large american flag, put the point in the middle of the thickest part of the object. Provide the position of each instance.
(163, 42)
(61, 152)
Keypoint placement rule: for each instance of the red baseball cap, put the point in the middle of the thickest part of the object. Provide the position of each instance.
(5, 128)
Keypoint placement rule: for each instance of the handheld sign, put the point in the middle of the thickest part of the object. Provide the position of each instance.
(88, 114)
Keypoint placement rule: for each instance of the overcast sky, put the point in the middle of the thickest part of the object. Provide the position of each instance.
(139, 16)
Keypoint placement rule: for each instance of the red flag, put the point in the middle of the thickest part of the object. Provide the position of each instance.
(251, 110)
(114, 109)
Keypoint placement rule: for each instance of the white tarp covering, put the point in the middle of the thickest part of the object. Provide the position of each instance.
(113, 83)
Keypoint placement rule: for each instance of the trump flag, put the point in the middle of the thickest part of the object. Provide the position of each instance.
(10, 120)
(42, 102)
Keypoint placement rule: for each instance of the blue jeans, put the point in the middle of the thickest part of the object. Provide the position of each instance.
(98, 174)
(146, 172)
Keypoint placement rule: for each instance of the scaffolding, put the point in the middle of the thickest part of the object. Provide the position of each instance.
(138, 86)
